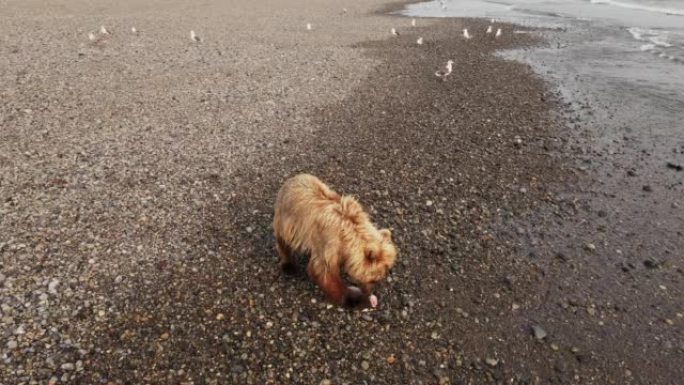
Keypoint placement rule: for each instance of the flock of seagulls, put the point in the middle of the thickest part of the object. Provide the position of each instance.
(443, 74)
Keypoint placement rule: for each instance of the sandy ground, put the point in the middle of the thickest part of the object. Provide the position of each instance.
(137, 174)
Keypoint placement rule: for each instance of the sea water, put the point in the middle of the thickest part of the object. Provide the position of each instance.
(655, 26)
(625, 58)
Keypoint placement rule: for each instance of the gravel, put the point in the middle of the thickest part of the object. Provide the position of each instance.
(137, 176)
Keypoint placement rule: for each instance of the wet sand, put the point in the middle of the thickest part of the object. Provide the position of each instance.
(137, 179)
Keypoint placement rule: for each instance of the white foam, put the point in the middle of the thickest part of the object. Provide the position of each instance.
(647, 47)
(641, 7)
(659, 38)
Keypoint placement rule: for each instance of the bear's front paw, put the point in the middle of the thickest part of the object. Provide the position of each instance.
(357, 300)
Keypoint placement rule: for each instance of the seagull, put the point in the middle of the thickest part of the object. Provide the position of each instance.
(103, 30)
(419, 41)
(194, 37)
(134, 30)
(498, 32)
(308, 26)
(91, 36)
(466, 34)
(394, 32)
(489, 29)
(413, 22)
(442, 74)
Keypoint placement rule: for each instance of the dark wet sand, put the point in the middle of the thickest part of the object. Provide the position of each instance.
(150, 203)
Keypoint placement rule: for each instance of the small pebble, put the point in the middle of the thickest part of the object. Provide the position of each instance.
(491, 361)
(365, 365)
(539, 332)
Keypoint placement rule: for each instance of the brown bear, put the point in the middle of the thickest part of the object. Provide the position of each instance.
(337, 234)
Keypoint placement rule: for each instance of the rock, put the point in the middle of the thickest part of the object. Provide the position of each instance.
(650, 264)
(164, 336)
(590, 246)
(539, 332)
(491, 362)
(68, 366)
(249, 229)
(674, 166)
(52, 286)
(391, 359)
(428, 203)
(220, 316)
(12, 344)
(647, 188)
(434, 335)
(365, 365)
(326, 382)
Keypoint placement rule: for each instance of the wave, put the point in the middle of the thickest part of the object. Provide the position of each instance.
(658, 38)
(642, 7)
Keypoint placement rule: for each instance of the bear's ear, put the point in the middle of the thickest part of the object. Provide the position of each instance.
(386, 234)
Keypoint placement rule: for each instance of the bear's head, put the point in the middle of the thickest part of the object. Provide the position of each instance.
(379, 255)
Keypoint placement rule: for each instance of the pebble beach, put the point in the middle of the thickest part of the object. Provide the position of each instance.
(138, 172)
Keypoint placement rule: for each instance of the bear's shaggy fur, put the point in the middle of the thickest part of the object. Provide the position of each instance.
(337, 233)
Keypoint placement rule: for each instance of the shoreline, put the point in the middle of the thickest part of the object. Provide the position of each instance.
(476, 176)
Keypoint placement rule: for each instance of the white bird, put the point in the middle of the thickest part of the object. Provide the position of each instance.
(103, 30)
(91, 36)
(194, 37)
(498, 32)
(308, 26)
(466, 34)
(394, 32)
(413, 22)
(489, 29)
(442, 74)
(419, 41)
(134, 30)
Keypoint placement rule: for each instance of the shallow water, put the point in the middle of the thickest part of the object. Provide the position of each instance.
(651, 25)
(623, 57)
